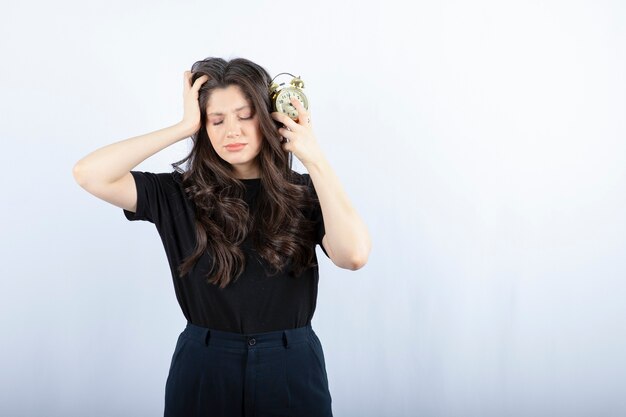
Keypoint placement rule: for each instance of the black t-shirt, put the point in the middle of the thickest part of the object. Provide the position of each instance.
(254, 302)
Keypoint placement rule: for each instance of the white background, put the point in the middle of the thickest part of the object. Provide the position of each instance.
(483, 143)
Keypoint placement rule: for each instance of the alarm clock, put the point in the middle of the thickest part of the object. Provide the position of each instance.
(280, 96)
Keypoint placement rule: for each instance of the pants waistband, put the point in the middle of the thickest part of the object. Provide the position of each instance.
(246, 341)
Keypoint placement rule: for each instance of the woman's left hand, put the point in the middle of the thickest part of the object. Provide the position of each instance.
(301, 140)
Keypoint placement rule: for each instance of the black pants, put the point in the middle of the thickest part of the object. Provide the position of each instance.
(222, 374)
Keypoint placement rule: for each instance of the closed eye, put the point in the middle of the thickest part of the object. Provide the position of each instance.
(242, 118)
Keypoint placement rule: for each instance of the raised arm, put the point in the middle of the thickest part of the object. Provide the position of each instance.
(347, 240)
(105, 172)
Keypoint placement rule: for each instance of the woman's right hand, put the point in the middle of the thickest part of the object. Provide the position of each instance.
(191, 117)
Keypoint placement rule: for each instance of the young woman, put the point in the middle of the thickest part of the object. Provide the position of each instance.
(239, 228)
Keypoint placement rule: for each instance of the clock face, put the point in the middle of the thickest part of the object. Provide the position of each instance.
(283, 101)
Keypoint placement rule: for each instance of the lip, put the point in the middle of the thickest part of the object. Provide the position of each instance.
(235, 146)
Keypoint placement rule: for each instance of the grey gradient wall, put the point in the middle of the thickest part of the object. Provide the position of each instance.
(483, 143)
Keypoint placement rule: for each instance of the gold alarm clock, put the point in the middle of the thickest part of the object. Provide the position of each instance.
(280, 96)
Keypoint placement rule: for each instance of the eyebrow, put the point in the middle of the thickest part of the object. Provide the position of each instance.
(221, 114)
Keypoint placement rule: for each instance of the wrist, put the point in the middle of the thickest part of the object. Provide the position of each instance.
(186, 129)
(317, 165)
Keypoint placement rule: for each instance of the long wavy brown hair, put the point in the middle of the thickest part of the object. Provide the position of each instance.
(277, 222)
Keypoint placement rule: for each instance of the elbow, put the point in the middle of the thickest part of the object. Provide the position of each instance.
(352, 262)
(359, 257)
(357, 262)
(353, 258)
(78, 173)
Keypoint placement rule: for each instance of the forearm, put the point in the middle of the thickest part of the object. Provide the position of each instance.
(111, 162)
(346, 232)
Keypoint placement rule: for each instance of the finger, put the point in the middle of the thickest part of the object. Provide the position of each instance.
(287, 146)
(302, 113)
(284, 119)
(199, 81)
(186, 82)
(288, 134)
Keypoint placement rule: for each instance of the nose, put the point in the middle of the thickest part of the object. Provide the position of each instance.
(232, 128)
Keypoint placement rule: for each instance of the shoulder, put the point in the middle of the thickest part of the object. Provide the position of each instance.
(301, 179)
(176, 176)
(173, 176)
(297, 178)
(304, 180)
(157, 180)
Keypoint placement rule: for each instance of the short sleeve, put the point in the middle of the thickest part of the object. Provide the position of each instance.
(151, 196)
(316, 216)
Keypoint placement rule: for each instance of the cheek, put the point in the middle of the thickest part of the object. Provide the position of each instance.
(214, 131)
(212, 135)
